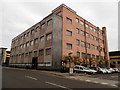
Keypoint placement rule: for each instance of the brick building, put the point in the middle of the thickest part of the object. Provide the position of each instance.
(114, 58)
(63, 31)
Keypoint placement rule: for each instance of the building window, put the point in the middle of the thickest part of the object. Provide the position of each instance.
(21, 37)
(68, 20)
(99, 32)
(22, 55)
(91, 28)
(118, 62)
(77, 42)
(30, 53)
(36, 40)
(31, 42)
(82, 32)
(77, 30)
(32, 31)
(27, 44)
(20, 47)
(49, 22)
(41, 52)
(77, 20)
(101, 49)
(87, 35)
(42, 38)
(25, 35)
(49, 36)
(68, 46)
(37, 28)
(83, 55)
(97, 57)
(81, 22)
(82, 44)
(28, 33)
(88, 56)
(86, 25)
(93, 56)
(35, 53)
(43, 26)
(96, 47)
(26, 54)
(88, 45)
(78, 54)
(24, 45)
(95, 38)
(48, 51)
(94, 30)
(69, 33)
(92, 37)
(92, 46)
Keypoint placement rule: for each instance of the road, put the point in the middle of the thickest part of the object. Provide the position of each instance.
(17, 78)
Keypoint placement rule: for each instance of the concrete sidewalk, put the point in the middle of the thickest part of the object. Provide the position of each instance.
(85, 77)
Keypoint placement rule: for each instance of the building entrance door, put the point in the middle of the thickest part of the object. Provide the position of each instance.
(34, 62)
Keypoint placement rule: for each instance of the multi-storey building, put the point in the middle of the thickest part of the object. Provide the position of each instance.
(114, 58)
(61, 32)
(2, 55)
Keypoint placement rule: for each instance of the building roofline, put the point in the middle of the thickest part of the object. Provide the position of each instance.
(63, 5)
(32, 26)
(2, 48)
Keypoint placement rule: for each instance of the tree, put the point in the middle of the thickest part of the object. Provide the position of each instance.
(76, 60)
(90, 61)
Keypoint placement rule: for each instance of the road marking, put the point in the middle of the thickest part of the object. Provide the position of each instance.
(95, 82)
(58, 85)
(104, 83)
(88, 80)
(114, 85)
(31, 77)
(114, 76)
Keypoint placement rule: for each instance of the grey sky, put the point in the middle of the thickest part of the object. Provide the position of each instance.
(18, 16)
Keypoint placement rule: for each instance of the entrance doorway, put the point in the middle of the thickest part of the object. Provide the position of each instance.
(34, 62)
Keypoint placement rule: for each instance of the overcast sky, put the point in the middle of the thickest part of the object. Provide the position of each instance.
(19, 16)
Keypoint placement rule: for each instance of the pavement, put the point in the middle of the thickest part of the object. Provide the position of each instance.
(85, 77)
(53, 78)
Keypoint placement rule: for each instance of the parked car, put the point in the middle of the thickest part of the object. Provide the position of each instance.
(94, 68)
(101, 70)
(107, 70)
(83, 69)
(119, 69)
(116, 70)
(111, 69)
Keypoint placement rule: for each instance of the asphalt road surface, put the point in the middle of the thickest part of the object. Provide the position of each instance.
(16, 78)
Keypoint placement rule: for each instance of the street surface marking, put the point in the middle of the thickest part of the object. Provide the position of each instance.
(31, 77)
(114, 76)
(58, 85)
(114, 85)
(104, 83)
(88, 80)
(95, 82)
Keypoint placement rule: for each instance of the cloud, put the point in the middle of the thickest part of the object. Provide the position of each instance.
(19, 16)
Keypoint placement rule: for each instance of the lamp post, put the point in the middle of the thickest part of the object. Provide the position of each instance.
(70, 59)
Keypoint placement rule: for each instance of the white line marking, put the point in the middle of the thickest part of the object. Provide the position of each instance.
(115, 85)
(95, 82)
(58, 85)
(88, 80)
(114, 76)
(31, 77)
(104, 83)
